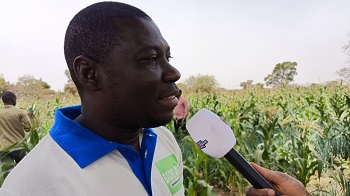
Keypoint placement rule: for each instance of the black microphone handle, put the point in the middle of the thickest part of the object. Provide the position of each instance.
(249, 173)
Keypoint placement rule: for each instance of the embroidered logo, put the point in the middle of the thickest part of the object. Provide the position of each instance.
(201, 144)
(168, 168)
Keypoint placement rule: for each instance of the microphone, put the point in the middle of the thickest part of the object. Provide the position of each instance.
(215, 138)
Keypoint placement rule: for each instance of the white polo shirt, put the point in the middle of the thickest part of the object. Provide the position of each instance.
(72, 160)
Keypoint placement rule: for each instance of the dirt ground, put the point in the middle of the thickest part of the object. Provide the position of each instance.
(327, 184)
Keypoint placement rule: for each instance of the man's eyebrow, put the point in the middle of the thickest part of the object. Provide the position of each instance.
(153, 47)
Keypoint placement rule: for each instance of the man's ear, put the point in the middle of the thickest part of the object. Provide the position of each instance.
(14, 101)
(87, 72)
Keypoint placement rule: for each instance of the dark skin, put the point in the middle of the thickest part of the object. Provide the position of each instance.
(283, 183)
(134, 88)
(13, 101)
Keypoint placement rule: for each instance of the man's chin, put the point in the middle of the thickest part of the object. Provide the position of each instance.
(159, 122)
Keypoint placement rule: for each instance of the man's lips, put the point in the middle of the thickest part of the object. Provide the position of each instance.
(170, 100)
(170, 97)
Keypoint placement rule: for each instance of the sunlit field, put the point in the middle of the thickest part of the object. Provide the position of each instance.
(303, 131)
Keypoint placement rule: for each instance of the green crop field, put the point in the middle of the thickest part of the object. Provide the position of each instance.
(303, 131)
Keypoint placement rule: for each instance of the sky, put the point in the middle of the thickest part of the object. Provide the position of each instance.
(233, 40)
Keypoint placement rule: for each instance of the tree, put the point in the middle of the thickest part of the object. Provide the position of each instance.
(71, 89)
(344, 74)
(346, 48)
(28, 81)
(70, 80)
(202, 83)
(259, 85)
(31, 87)
(3, 84)
(247, 84)
(282, 74)
(183, 87)
(70, 86)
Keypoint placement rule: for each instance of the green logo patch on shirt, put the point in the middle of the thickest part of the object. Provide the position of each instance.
(169, 169)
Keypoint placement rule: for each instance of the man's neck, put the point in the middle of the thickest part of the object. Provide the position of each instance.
(113, 134)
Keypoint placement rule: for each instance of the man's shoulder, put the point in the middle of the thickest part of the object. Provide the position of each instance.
(167, 138)
(13, 112)
(164, 133)
(39, 156)
(34, 169)
(17, 110)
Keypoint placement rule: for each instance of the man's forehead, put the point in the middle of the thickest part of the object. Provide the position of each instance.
(127, 23)
(153, 46)
(142, 32)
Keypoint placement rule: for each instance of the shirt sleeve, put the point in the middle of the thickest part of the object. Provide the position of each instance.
(25, 121)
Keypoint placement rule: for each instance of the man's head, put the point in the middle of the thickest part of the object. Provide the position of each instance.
(120, 63)
(93, 33)
(9, 98)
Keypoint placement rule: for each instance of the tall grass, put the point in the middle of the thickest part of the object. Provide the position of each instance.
(41, 122)
(301, 131)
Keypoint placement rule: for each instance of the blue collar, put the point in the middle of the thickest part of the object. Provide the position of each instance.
(85, 147)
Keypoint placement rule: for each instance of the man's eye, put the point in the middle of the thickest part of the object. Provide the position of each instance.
(168, 58)
(151, 59)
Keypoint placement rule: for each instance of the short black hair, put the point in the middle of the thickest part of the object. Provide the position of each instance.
(8, 96)
(92, 31)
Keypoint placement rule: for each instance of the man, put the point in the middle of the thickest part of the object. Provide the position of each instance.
(119, 62)
(180, 114)
(13, 123)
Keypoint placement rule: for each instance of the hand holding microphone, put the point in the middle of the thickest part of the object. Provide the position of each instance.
(285, 184)
(215, 138)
